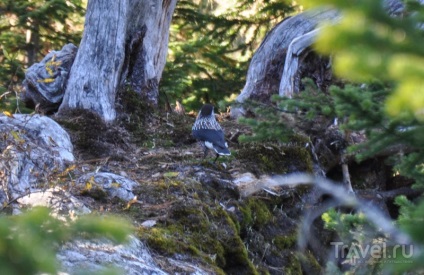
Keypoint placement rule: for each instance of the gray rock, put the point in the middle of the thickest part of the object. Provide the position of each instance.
(114, 185)
(93, 255)
(62, 203)
(33, 147)
(45, 82)
(131, 258)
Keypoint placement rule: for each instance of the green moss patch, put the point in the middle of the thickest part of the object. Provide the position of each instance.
(255, 213)
(309, 263)
(274, 158)
(286, 241)
(204, 232)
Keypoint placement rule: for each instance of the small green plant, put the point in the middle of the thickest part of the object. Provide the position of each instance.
(286, 118)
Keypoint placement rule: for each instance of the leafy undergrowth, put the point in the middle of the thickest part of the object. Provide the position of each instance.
(197, 215)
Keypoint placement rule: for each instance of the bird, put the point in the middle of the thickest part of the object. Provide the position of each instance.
(207, 130)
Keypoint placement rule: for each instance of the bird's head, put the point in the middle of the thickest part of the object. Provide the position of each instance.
(206, 111)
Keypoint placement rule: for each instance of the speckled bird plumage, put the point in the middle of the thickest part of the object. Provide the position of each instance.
(207, 130)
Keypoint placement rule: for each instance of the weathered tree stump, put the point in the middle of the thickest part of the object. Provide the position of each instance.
(286, 56)
(281, 56)
(124, 42)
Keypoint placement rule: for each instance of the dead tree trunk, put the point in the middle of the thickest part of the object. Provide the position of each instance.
(122, 40)
(266, 68)
(285, 57)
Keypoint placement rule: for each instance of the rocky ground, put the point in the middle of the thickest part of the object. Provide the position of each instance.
(186, 207)
(191, 216)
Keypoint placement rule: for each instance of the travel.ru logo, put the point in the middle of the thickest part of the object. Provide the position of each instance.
(379, 251)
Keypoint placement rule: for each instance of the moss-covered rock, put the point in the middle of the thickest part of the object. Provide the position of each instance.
(294, 266)
(192, 223)
(309, 263)
(206, 233)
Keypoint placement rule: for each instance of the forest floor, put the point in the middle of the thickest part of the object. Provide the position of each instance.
(197, 211)
(216, 215)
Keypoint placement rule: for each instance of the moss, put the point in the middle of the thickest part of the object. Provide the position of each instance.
(261, 158)
(172, 238)
(294, 267)
(285, 241)
(274, 158)
(237, 259)
(191, 217)
(298, 139)
(233, 220)
(299, 159)
(255, 213)
(308, 263)
(160, 240)
(203, 232)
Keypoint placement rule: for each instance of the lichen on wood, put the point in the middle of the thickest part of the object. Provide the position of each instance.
(45, 82)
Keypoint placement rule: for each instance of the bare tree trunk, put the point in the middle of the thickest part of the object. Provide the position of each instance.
(285, 57)
(33, 41)
(267, 65)
(149, 53)
(122, 39)
(296, 50)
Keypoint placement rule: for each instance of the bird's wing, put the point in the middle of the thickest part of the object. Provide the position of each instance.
(215, 137)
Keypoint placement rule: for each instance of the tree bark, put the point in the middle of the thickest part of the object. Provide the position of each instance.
(122, 40)
(33, 41)
(294, 55)
(285, 57)
(145, 71)
(267, 65)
